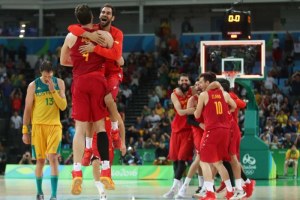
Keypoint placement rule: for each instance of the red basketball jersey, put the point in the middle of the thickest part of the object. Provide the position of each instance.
(200, 119)
(239, 105)
(180, 122)
(110, 65)
(216, 112)
(84, 63)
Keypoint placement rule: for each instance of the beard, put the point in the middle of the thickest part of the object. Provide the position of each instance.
(184, 87)
(104, 23)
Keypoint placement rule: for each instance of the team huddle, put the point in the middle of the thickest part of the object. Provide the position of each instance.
(205, 120)
(206, 123)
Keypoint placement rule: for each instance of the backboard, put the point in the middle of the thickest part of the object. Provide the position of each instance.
(246, 57)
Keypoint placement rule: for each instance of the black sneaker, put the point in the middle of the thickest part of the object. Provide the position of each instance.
(40, 197)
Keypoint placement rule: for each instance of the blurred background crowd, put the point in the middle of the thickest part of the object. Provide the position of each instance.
(149, 79)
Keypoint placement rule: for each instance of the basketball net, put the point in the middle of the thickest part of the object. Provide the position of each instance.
(231, 76)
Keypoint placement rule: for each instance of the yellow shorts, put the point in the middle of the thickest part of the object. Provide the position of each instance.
(45, 139)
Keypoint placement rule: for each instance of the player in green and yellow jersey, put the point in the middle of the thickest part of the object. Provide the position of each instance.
(44, 100)
(291, 159)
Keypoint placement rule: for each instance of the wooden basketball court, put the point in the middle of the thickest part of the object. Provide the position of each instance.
(25, 189)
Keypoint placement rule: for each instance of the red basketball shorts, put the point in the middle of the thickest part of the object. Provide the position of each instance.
(197, 136)
(88, 92)
(215, 145)
(235, 140)
(113, 83)
(181, 145)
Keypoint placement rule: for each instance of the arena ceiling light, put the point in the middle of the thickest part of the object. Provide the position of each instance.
(219, 10)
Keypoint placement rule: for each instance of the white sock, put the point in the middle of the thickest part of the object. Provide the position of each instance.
(209, 186)
(187, 181)
(100, 187)
(228, 185)
(238, 184)
(76, 166)
(88, 142)
(114, 125)
(248, 181)
(201, 180)
(176, 182)
(105, 164)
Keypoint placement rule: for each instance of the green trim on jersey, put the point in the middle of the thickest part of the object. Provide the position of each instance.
(42, 87)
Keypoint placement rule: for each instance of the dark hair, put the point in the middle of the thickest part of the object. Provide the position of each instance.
(208, 76)
(184, 75)
(83, 14)
(225, 84)
(113, 9)
(46, 66)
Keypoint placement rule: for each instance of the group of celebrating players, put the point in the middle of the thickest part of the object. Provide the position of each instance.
(205, 121)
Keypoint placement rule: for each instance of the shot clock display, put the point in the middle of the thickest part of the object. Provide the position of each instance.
(237, 25)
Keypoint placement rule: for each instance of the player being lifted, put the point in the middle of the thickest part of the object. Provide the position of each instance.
(89, 92)
(114, 75)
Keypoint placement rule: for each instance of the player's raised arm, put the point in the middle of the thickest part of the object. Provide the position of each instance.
(59, 97)
(230, 101)
(190, 118)
(214, 85)
(65, 58)
(181, 111)
(77, 30)
(114, 53)
(200, 104)
(239, 102)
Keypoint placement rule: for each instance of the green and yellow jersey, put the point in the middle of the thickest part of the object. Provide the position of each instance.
(292, 154)
(45, 111)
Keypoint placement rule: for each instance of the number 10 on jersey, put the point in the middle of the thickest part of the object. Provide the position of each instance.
(219, 108)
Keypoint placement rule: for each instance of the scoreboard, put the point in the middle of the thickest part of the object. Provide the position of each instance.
(237, 25)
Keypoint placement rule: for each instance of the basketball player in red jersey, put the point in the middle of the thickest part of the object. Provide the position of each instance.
(88, 100)
(234, 147)
(181, 143)
(215, 140)
(197, 128)
(114, 75)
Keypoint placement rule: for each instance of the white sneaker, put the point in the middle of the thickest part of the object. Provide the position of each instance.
(202, 193)
(102, 196)
(169, 195)
(181, 193)
(180, 185)
(238, 194)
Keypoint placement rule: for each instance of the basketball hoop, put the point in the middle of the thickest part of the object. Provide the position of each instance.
(231, 76)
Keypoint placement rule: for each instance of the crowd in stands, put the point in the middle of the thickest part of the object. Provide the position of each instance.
(278, 97)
